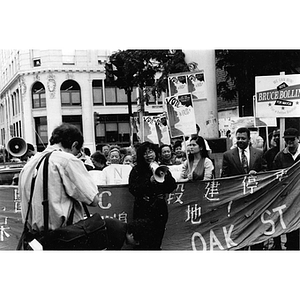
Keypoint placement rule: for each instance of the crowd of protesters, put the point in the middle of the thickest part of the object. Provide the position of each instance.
(192, 157)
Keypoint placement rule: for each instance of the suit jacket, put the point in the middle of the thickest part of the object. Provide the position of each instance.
(232, 164)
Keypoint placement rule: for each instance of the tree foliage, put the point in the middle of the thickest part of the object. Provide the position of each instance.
(138, 68)
(241, 67)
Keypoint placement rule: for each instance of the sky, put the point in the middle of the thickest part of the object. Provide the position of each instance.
(135, 24)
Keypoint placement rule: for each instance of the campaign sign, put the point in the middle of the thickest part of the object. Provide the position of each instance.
(277, 96)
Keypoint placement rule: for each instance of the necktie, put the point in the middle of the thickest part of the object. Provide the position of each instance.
(244, 162)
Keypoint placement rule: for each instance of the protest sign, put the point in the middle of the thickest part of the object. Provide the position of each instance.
(188, 82)
(150, 130)
(277, 96)
(181, 115)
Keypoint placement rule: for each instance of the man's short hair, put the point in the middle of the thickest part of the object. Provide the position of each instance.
(99, 157)
(242, 130)
(67, 134)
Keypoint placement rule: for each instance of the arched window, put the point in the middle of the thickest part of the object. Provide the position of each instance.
(70, 93)
(38, 95)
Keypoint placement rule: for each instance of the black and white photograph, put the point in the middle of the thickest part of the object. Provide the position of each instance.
(140, 150)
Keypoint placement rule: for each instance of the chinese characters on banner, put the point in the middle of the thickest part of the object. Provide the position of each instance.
(277, 96)
(221, 214)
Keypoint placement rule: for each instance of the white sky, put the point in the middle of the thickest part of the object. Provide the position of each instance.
(136, 24)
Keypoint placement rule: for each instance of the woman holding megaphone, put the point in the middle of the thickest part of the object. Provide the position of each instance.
(150, 187)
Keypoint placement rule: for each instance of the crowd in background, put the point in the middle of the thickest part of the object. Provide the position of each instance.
(187, 160)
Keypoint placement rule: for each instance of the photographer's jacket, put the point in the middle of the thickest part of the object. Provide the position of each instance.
(68, 179)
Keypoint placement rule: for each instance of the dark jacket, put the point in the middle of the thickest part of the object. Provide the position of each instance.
(284, 159)
(149, 196)
(150, 203)
(269, 156)
(232, 164)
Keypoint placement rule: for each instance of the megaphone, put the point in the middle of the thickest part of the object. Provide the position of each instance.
(159, 172)
(16, 146)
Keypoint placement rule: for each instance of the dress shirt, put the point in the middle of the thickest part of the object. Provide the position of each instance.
(247, 153)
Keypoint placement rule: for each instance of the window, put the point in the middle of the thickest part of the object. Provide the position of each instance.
(153, 99)
(38, 95)
(13, 104)
(20, 127)
(113, 129)
(70, 93)
(97, 92)
(75, 120)
(114, 95)
(41, 133)
(37, 62)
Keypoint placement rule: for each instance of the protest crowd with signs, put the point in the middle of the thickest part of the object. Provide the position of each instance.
(254, 203)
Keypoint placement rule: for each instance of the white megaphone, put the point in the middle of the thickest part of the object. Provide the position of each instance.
(16, 146)
(159, 172)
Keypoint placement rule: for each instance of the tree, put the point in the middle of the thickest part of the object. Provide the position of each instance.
(138, 68)
(241, 67)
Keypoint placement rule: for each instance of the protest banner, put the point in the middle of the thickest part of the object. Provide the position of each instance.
(162, 129)
(114, 174)
(155, 129)
(220, 214)
(181, 115)
(150, 130)
(188, 82)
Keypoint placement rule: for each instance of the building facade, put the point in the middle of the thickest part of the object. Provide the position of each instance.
(40, 89)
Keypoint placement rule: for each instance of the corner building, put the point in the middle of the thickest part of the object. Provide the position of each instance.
(40, 89)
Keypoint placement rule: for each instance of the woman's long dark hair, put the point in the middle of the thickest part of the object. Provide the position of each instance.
(200, 141)
(140, 159)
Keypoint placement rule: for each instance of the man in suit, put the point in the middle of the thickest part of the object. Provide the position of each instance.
(232, 159)
(244, 159)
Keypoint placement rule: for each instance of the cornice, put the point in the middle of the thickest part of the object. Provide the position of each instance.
(44, 71)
